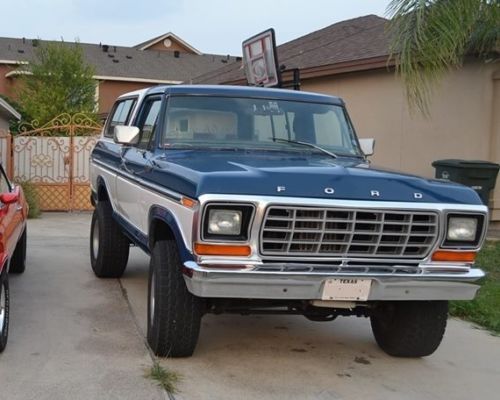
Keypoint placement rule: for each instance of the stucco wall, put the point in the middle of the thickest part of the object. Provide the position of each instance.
(495, 143)
(6, 84)
(110, 90)
(462, 125)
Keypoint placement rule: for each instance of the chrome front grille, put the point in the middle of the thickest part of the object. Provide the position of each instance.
(341, 232)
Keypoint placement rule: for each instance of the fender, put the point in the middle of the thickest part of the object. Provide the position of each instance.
(4, 263)
(158, 213)
(100, 185)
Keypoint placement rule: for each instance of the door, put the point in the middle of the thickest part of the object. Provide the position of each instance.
(11, 216)
(136, 164)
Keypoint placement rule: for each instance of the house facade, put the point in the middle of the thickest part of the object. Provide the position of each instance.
(350, 59)
(166, 59)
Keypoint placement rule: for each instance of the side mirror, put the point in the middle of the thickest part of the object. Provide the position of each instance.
(367, 146)
(9, 198)
(127, 135)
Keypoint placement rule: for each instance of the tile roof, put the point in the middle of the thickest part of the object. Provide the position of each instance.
(125, 62)
(347, 41)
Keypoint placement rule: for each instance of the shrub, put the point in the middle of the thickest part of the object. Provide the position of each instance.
(32, 199)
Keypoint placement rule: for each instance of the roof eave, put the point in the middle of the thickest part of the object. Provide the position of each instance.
(333, 69)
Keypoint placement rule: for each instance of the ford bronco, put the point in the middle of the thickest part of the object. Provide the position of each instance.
(253, 200)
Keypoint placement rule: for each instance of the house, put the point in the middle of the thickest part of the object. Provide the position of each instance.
(350, 59)
(166, 59)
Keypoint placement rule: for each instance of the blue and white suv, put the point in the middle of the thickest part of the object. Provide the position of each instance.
(254, 200)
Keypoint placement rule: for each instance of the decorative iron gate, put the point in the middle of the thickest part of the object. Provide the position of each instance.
(55, 159)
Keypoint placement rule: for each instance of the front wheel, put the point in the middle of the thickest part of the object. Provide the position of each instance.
(174, 314)
(109, 247)
(4, 310)
(410, 328)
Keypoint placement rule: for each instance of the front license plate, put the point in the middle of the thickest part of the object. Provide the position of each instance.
(346, 289)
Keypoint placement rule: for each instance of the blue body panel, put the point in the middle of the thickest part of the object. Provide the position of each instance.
(194, 173)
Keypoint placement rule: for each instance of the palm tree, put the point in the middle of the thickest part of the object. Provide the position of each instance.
(428, 37)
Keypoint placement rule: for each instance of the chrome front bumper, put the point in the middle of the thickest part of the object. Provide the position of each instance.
(212, 282)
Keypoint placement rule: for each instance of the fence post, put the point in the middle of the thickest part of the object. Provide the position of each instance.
(10, 156)
(71, 161)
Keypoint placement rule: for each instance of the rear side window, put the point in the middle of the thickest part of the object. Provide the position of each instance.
(120, 115)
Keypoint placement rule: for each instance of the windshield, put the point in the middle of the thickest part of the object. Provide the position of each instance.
(233, 123)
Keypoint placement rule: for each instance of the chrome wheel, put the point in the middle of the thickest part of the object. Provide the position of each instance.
(3, 308)
(152, 299)
(95, 240)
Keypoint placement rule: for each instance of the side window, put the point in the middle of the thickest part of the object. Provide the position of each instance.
(4, 182)
(148, 122)
(120, 115)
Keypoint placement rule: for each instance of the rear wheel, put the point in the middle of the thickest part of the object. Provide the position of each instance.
(174, 314)
(18, 261)
(4, 310)
(109, 247)
(410, 328)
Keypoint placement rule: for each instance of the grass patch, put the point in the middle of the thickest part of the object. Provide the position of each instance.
(164, 378)
(485, 308)
(31, 198)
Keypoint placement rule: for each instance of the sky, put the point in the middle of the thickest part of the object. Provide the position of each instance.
(211, 26)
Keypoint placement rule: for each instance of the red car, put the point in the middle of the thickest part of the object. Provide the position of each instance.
(13, 215)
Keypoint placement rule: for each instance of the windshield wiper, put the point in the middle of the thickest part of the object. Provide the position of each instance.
(306, 144)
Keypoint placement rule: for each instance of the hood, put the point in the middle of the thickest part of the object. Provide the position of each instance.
(289, 174)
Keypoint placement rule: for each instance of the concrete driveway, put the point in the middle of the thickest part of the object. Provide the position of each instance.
(75, 336)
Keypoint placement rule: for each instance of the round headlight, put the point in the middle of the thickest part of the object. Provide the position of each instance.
(224, 222)
(462, 229)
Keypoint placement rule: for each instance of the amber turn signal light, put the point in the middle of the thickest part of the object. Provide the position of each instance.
(187, 202)
(221, 250)
(457, 256)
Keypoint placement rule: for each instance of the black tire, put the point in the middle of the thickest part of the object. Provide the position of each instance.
(410, 328)
(174, 314)
(4, 310)
(18, 260)
(109, 247)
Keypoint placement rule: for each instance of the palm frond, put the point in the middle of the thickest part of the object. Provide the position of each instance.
(428, 37)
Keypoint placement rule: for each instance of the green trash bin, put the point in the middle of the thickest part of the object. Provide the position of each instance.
(479, 175)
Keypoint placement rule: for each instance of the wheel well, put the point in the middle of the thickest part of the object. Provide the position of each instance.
(102, 193)
(159, 230)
